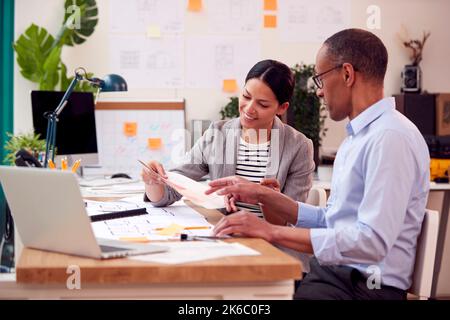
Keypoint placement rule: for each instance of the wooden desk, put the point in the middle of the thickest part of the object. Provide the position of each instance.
(271, 275)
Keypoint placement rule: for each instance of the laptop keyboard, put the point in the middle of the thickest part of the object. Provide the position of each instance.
(107, 249)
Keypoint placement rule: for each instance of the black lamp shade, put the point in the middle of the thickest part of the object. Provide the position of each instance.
(114, 82)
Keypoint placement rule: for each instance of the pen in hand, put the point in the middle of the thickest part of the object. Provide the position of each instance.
(152, 172)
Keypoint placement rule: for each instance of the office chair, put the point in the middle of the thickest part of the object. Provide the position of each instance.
(425, 256)
(317, 197)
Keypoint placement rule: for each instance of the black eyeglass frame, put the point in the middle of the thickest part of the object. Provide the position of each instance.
(318, 82)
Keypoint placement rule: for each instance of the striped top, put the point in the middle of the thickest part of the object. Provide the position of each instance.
(251, 164)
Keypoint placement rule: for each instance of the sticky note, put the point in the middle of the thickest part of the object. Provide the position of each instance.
(154, 143)
(270, 4)
(230, 85)
(130, 129)
(195, 5)
(154, 32)
(270, 21)
(135, 239)
(171, 230)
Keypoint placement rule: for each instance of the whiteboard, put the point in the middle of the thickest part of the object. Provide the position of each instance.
(127, 132)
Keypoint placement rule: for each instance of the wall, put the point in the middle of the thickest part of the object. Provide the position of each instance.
(415, 15)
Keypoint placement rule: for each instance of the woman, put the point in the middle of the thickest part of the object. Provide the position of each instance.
(257, 146)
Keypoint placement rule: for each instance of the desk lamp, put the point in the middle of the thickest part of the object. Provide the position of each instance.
(109, 83)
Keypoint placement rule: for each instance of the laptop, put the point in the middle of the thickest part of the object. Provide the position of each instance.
(50, 214)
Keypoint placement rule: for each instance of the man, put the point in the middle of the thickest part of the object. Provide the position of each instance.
(364, 241)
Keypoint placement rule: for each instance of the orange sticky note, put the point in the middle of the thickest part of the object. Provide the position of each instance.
(130, 129)
(230, 85)
(154, 143)
(270, 4)
(270, 21)
(195, 5)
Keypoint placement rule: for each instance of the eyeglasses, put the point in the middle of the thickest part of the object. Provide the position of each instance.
(318, 81)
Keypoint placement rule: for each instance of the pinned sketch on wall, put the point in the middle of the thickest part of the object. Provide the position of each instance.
(126, 135)
(136, 16)
(312, 21)
(148, 62)
(211, 60)
(234, 16)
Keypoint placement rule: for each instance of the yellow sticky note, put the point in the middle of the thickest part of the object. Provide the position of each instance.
(230, 85)
(270, 21)
(195, 5)
(154, 32)
(270, 4)
(171, 230)
(130, 129)
(154, 143)
(135, 239)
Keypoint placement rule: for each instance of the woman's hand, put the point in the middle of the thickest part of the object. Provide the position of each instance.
(154, 174)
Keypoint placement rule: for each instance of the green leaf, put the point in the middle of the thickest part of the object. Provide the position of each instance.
(32, 49)
(50, 77)
(309, 113)
(71, 34)
(65, 82)
(231, 109)
(29, 141)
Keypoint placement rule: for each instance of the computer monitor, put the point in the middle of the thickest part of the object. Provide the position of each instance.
(75, 131)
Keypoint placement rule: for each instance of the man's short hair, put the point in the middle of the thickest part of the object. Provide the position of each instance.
(362, 49)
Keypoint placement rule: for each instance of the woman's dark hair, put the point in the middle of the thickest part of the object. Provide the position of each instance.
(277, 76)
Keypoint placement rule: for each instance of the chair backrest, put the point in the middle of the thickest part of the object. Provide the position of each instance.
(425, 256)
(317, 197)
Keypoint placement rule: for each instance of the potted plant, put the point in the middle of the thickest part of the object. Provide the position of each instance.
(28, 141)
(231, 109)
(412, 73)
(306, 113)
(39, 53)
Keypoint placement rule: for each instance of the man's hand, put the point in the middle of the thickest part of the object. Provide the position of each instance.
(237, 189)
(246, 224)
(271, 183)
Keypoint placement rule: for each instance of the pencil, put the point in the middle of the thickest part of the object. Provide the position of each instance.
(197, 228)
(64, 163)
(76, 165)
(51, 164)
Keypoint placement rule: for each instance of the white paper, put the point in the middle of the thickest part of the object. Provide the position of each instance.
(191, 251)
(136, 16)
(234, 17)
(210, 60)
(148, 225)
(148, 62)
(312, 21)
(100, 207)
(103, 182)
(195, 191)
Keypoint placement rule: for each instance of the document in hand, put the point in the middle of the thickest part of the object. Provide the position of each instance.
(194, 191)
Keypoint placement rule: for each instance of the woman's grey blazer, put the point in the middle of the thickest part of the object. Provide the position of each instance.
(290, 159)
